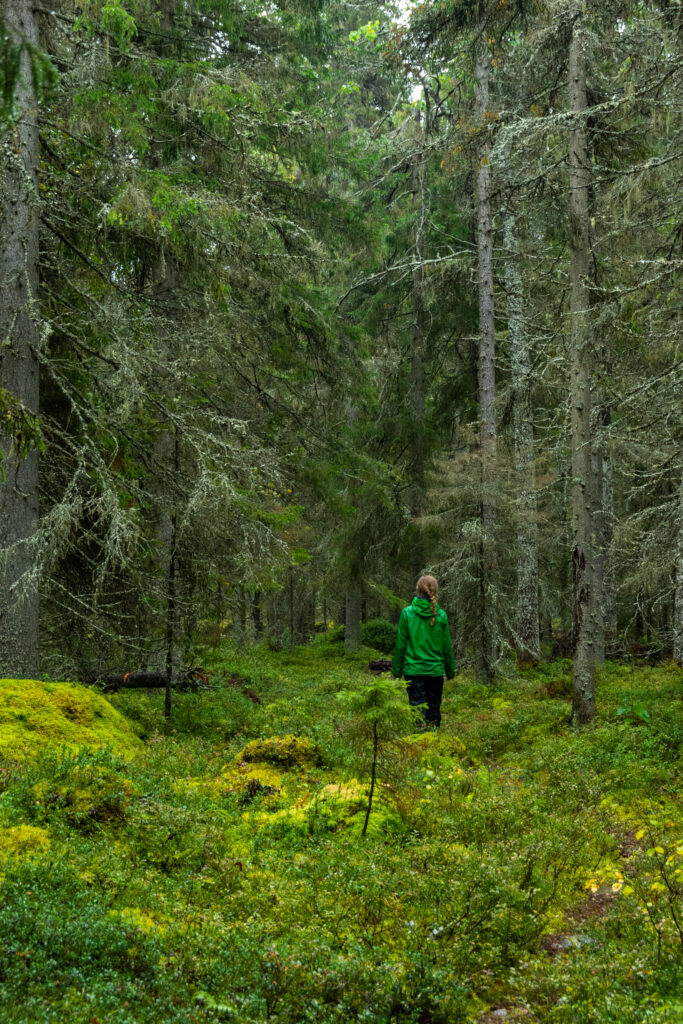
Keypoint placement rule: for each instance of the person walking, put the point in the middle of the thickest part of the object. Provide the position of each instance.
(424, 650)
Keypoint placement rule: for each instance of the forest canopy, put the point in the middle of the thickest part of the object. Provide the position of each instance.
(302, 299)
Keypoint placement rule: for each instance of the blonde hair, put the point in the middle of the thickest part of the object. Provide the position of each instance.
(428, 587)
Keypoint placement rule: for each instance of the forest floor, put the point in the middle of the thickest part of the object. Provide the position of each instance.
(514, 869)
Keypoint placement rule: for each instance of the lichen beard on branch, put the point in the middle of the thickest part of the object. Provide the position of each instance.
(428, 587)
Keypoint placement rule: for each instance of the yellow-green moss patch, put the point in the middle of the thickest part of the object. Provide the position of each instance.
(144, 920)
(92, 793)
(242, 779)
(344, 804)
(22, 841)
(432, 748)
(287, 751)
(35, 715)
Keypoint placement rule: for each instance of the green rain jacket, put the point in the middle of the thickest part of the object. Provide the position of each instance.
(423, 649)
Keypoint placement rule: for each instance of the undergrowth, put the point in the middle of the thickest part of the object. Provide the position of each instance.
(513, 868)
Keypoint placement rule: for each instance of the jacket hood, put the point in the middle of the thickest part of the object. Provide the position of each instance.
(423, 608)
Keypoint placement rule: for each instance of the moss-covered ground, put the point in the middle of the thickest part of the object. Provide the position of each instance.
(513, 867)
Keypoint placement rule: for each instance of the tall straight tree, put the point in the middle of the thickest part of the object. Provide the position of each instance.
(583, 703)
(600, 476)
(526, 621)
(678, 585)
(487, 371)
(417, 381)
(19, 346)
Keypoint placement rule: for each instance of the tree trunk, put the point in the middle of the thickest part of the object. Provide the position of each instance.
(678, 592)
(583, 704)
(527, 620)
(607, 509)
(487, 376)
(598, 481)
(171, 621)
(172, 648)
(354, 595)
(291, 606)
(162, 282)
(19, 345)
(417, 391)
(375, 746)
(306, 602)
(256, 614)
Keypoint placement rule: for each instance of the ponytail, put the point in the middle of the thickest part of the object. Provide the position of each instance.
(428, 587)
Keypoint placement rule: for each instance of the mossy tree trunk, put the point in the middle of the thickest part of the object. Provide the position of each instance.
(600, 527)
(256, 615)
(19, 347)
(527, 618)
(678, 571)
(487, 373)
(417, 382)
(354, 598)
(583, 705)
(172, 648)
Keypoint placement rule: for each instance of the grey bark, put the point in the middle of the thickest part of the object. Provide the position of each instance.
(487, 376)
(169, 564)
(609, 602)
(256, 615)
(527, 619)
(678, 592)
(171, 617)
(19, 346)
(598, 465)
(354, 597)
(417, 390)
(167, 461)
(292, 635)
(583, 702)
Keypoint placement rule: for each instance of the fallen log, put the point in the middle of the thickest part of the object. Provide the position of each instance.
(191, 679)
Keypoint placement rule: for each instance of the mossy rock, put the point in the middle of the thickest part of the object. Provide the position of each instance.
(244, 780)
(338, 808)
(35, 715)
(22, 841)
(426, 745)
(443, 742)
(90, 793)
(287, 751)
(343, 806)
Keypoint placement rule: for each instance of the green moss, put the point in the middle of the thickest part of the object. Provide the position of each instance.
(288, 751)
(22, 841)
(245, 780)
(143, 920)
(343, 805)
(248, 882)
(440, 743)
(89, 794)
(35, 715)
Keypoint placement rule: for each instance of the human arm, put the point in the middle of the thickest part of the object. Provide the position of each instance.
(400, 649)
(448, 656)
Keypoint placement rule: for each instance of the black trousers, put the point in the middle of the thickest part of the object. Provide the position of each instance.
(426, 690)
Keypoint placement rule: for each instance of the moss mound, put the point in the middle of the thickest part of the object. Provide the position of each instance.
(287, 751)
(342, 805)
(87, 795)
(338, 807)
(22, 841)
(244, 780)
(35, 715)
